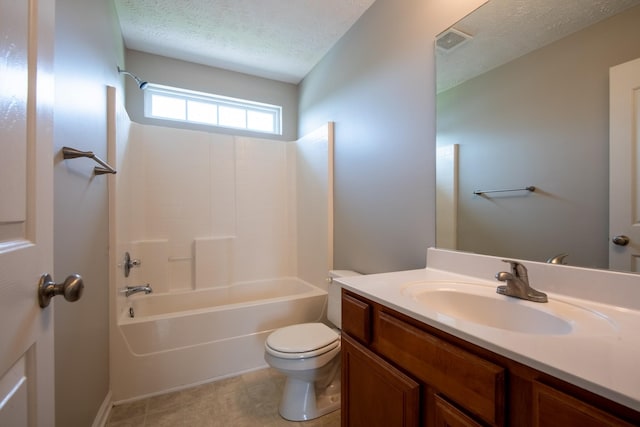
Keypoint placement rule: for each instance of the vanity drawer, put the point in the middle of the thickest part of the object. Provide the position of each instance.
(553, 407)
(356, 318)
(472, 382)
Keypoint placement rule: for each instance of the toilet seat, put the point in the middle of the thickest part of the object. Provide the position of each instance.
(302, 341)
(304, 355)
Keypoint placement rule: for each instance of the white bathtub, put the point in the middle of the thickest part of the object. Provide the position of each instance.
(180, 339)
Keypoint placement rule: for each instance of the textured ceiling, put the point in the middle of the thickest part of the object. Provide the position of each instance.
(502, 30)
(276, 39)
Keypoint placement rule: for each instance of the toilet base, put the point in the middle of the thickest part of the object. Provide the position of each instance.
(301, 402)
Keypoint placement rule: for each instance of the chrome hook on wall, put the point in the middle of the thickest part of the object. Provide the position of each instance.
(74, 153)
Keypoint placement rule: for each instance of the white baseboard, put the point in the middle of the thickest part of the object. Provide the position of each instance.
(103, 413)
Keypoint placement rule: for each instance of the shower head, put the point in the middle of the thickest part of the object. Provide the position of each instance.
(141, 84)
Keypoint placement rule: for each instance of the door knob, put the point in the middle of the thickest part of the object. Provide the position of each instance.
(621, 240)
(71, 289)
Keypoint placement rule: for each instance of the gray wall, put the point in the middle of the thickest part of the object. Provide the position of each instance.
(187, 75)
(377, 84)
(541, 120)
(88, 48)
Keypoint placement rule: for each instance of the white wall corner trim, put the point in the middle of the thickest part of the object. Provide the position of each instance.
(103, 413)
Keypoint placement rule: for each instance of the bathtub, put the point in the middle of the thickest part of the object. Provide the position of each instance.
(176, 340)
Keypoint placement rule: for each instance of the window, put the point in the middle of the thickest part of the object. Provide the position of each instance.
(168, 103)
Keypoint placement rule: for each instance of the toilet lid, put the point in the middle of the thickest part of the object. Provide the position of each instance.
(302, 338)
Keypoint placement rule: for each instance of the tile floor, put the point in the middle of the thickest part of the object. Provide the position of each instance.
(249, 400)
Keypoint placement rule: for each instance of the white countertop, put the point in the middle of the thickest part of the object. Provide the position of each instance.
(602, 356)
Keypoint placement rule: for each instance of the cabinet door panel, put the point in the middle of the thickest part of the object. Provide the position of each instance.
(374, 393)
(554, 408)
(470, 381)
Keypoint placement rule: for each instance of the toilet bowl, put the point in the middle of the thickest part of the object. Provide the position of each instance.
(308, 355)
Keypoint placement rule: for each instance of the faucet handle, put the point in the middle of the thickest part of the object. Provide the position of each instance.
(514, 264)
(558, 259)
(517, 269)
(129, 263)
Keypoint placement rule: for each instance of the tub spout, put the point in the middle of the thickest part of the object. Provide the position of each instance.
(130, 290)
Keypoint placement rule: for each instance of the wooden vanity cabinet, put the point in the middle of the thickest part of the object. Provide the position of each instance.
(397, 371)
(364, 376)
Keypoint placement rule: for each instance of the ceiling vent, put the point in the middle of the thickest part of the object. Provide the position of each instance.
(451, 39)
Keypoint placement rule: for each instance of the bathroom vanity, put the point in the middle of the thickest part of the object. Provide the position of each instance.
(414, 354)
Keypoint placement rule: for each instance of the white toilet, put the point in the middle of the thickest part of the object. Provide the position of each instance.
(309, 355)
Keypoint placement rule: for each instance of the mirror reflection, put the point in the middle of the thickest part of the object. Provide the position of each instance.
(523, 101)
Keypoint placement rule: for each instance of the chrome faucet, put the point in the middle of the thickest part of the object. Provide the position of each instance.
(517, 284)
(130, 290)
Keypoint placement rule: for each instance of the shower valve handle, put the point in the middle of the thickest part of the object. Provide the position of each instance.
(129, 263)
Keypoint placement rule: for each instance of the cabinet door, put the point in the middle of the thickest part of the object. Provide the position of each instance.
(447, 415)
(356, 318)
(551, 407)
(374, 393)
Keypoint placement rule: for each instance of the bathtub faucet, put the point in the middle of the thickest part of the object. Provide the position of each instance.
(130, 290)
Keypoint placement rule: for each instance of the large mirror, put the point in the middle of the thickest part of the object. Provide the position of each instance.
(523, 102)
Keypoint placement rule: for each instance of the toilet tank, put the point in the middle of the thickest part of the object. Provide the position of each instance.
(334, 306)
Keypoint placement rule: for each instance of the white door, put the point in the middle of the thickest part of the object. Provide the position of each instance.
(26, 219)
(624, 163)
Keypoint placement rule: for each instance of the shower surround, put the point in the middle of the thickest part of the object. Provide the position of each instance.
(208, 209)
(205, 211)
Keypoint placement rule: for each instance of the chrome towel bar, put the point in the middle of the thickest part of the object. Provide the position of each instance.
(73, 153)
(481, 192)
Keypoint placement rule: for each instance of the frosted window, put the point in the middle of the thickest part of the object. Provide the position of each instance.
(233, 117)
(168, 103)
(202, 112)
(168, 107)
(261, 121)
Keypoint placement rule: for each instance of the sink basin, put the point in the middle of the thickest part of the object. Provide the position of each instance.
(480, 304)
(493, 312)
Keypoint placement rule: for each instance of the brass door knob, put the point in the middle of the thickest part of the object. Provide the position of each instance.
(71, 289)
(621, 240)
